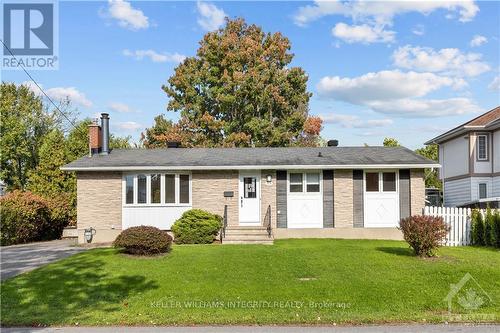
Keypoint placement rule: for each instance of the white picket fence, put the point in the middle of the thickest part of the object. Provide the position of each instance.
(459, 221)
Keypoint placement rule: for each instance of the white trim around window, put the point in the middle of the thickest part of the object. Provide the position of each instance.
(162, 203)
(305, 182)
(482, 152)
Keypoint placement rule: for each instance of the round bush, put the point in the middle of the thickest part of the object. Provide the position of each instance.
(196, 226)
(25, 218)
(143, 240)
(424, 233)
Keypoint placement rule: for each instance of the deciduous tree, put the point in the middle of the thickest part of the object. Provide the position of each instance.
(239, 90)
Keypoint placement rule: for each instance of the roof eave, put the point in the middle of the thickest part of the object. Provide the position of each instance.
(256, 167)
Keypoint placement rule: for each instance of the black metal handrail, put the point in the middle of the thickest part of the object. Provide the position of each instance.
(224, 224)
(267, 221)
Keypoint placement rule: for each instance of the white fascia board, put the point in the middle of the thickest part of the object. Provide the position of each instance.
(254, 167)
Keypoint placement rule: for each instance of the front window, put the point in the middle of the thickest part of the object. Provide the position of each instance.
(306, 182)
(482, 147)
(169, 188)
(313, 182)
(184, 188)
(296, 182)
(157, 188)
(129, 189)
(389, 181)
(380, 182)
(141, 189)
(483, 191)
(372, 182)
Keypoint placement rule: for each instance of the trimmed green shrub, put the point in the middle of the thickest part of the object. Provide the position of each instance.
(143, 240)
(25, 217)
(423, 233)
(496, 228)
(196, 226)
(489, 237)
(477, 228)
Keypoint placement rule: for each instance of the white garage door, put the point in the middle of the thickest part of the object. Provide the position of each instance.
(304, 200)
(381, 199)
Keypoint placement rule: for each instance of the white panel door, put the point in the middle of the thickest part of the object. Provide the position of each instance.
(249, 191)
(304, 200)
(381, 199)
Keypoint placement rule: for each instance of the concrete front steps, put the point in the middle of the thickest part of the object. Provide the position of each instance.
(247, 235)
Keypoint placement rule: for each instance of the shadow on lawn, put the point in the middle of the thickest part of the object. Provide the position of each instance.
(400, 251)
(67, 291)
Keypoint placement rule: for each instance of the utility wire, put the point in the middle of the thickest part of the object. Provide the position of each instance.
(39, 87)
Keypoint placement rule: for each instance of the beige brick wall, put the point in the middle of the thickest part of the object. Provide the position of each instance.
(208, 192)
(99, 201)
(343, 199)
(268, 196)
(417, 191)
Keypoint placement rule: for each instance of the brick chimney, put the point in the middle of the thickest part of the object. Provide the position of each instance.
(95, 138)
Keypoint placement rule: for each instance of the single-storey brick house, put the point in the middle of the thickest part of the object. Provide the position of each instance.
(346, 192)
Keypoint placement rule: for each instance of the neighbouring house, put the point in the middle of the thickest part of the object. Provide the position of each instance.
(344, 192)
(470, 158)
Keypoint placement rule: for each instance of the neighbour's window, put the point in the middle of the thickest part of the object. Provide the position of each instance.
(169, 188)
(155, 188)
(141, 189)
(389, 181)
(482, 147)
(295, 182)
(483, 191)
(184, 188)
(129, 189)
(312, 182)
(372, 182)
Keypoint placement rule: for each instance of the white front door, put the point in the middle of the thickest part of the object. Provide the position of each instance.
(249, 189)
(381, 198)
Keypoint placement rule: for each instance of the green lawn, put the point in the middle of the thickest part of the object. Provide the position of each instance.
(291, 282)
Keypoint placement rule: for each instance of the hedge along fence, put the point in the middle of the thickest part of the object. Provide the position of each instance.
(477, 227)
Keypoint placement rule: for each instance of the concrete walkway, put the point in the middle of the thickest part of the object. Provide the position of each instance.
(272, 329)
(17, 259)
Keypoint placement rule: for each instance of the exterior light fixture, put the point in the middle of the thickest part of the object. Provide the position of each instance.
(269, 179)
(89, 234)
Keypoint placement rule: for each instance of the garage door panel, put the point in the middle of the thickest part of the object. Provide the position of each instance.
(305, 211)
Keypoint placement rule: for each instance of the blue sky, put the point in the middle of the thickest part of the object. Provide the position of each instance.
(408, 70)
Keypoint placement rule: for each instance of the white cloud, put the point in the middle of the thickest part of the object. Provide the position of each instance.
(61, 94)
(155, 56)
(478, 40)
(495, 84)
(351, 121)
(382, 12)
(128, 17)
(383, 85)
(397, 93)
(120, 107)
(71, 93)
(210, 17)
(364, 33)
(129, 126)
(447, 61)
(418, 30)
(425, 108)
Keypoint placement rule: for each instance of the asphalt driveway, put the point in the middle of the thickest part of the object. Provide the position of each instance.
(17, 259)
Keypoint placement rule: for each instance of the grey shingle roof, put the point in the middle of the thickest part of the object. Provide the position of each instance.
(198, 158)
